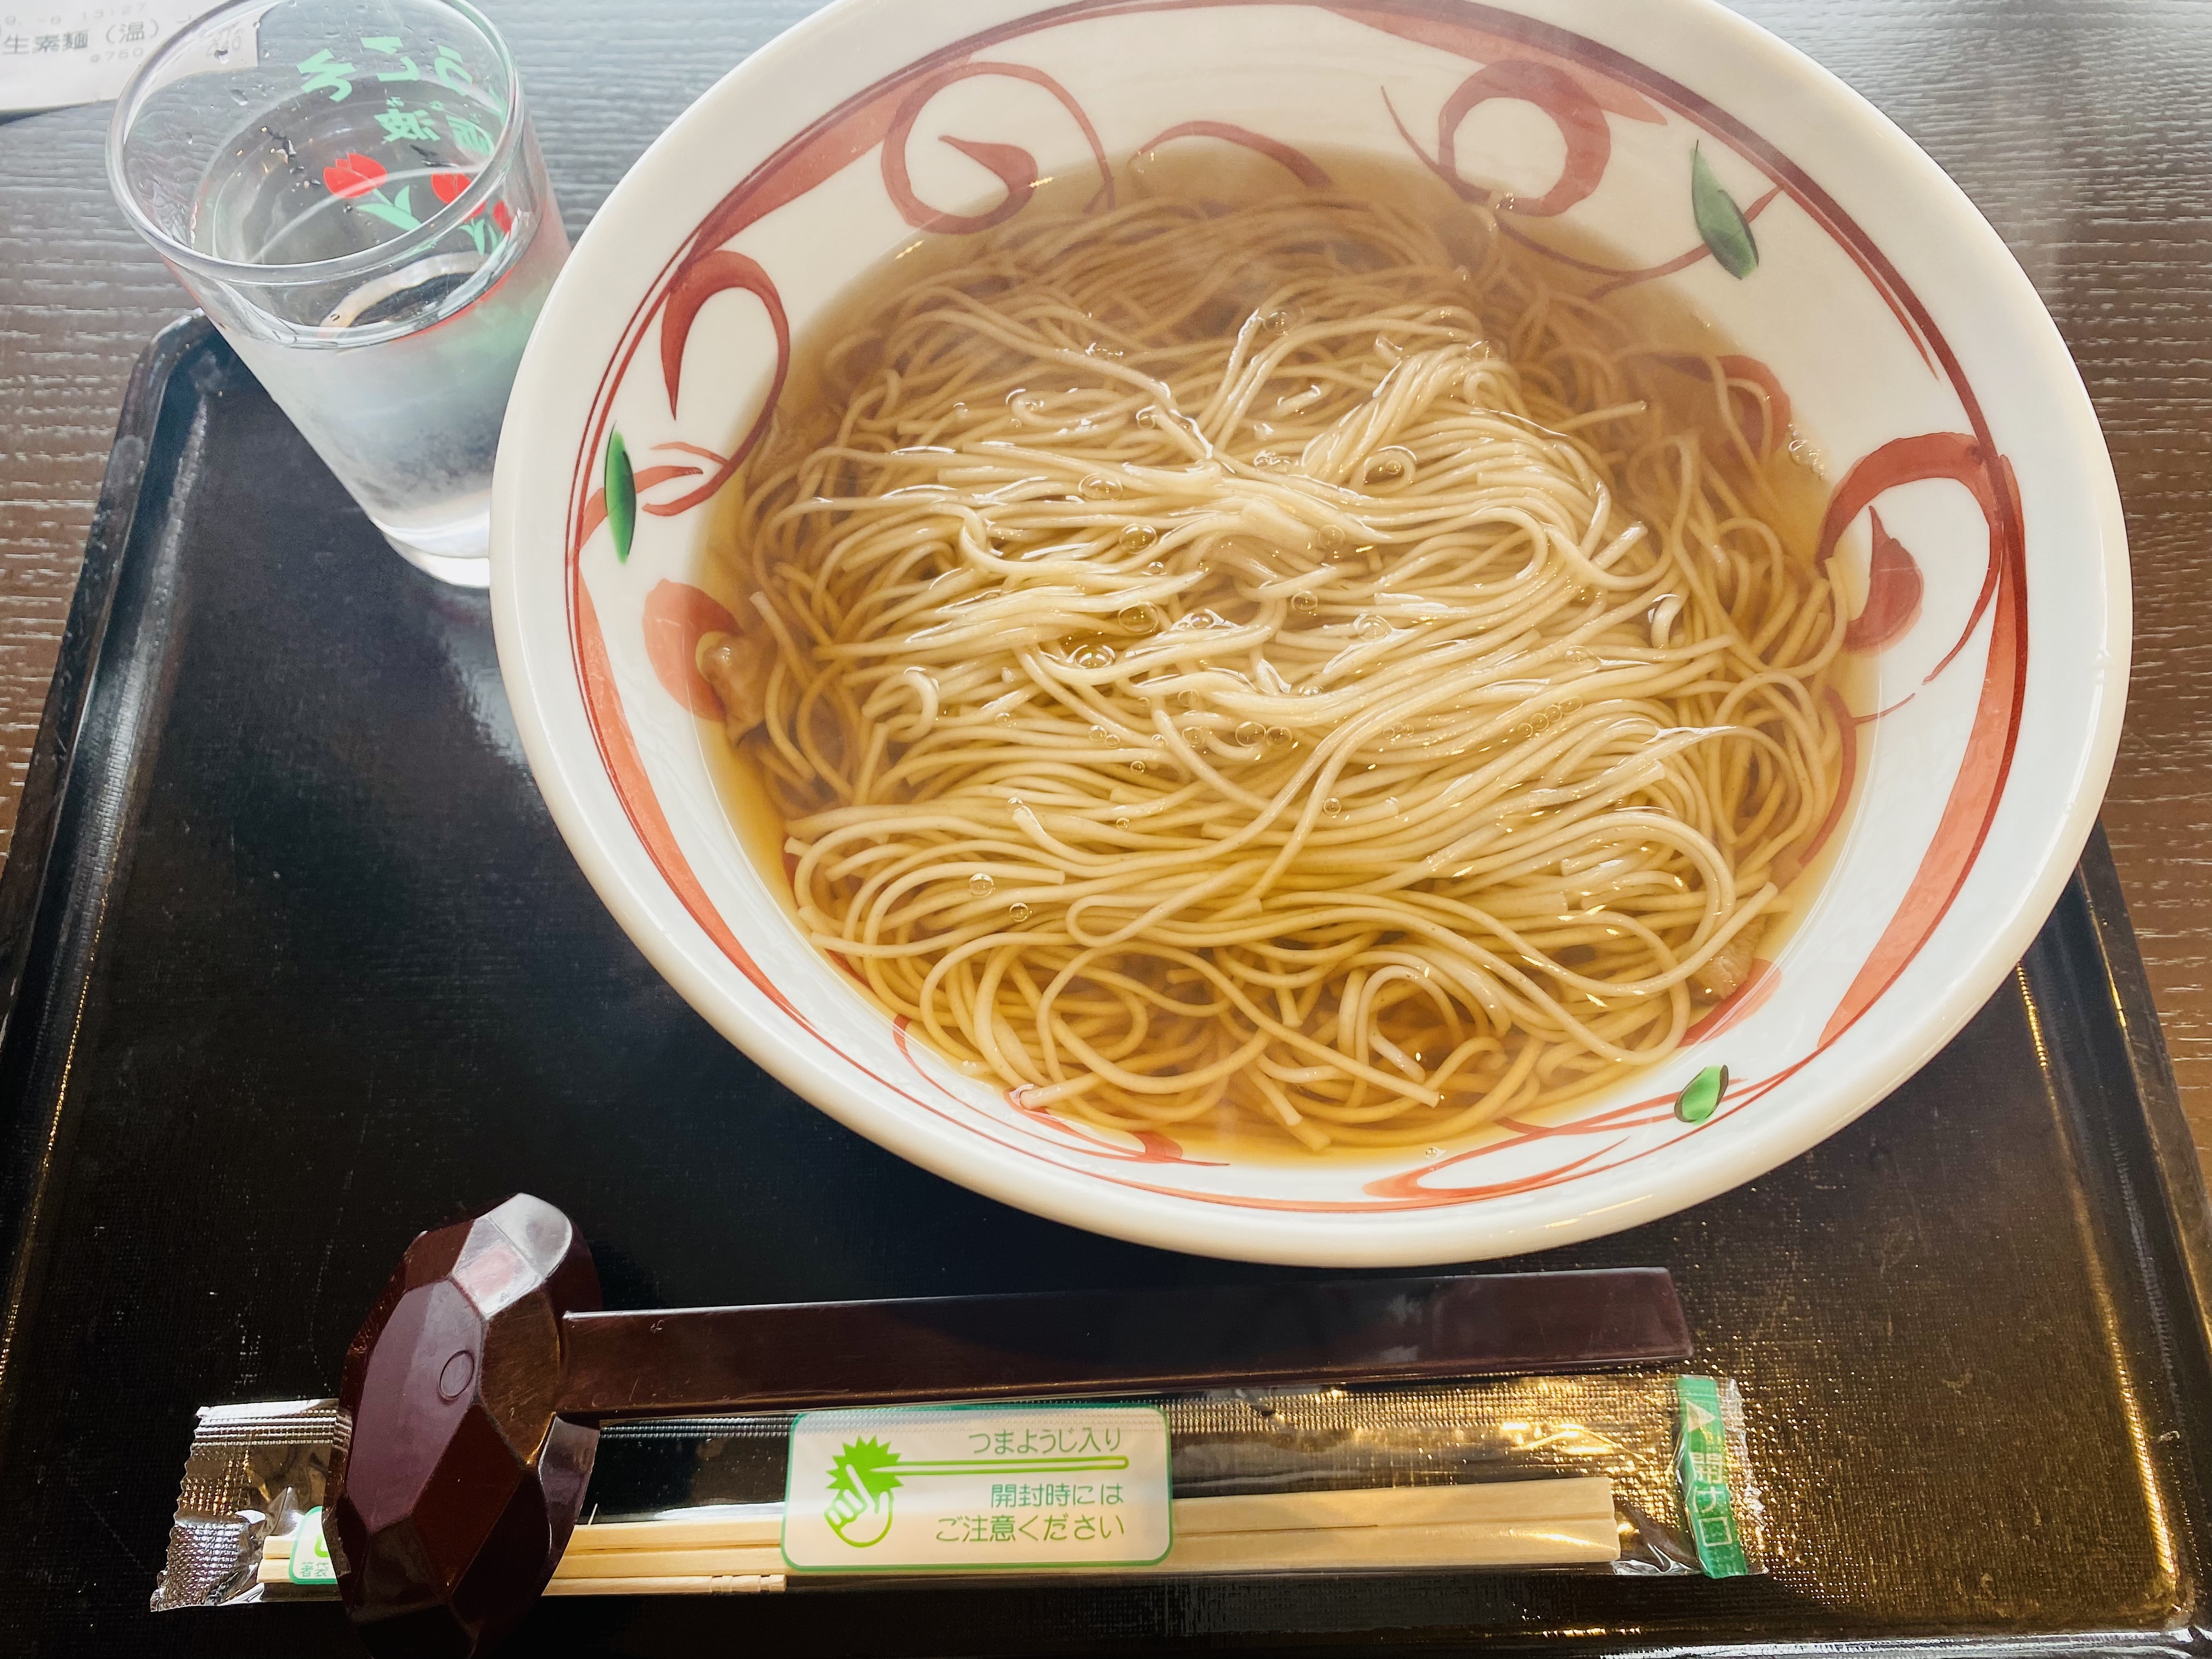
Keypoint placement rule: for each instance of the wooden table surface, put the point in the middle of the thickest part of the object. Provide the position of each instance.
(2082, 128)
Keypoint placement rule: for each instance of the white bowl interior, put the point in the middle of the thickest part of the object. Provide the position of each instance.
(1913, 353)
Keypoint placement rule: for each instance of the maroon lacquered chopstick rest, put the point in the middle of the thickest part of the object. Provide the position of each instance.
(473, 1396)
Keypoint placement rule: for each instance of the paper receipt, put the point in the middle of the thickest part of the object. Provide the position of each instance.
(55, 54)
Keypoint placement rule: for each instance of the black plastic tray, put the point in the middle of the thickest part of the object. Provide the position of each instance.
(298, 965)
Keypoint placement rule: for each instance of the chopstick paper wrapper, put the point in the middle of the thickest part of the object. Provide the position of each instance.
(1643, 1473)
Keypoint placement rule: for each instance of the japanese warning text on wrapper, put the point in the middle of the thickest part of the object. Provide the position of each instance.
(991, 1486)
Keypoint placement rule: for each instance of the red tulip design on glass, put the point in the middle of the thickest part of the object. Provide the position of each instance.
(353, 175)
(360, 179)
(448, 188)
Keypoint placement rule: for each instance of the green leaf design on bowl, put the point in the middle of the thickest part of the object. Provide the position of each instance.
(1698, 1100)
(622, 496)
(1720, 220)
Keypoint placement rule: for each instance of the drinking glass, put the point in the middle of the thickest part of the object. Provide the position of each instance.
(352, 191)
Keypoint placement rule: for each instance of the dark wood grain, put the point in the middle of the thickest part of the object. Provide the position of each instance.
(2082, 128)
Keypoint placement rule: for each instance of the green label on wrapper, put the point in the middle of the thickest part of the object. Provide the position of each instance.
(311, 1562)
(1702, 1463)
(978, 1486)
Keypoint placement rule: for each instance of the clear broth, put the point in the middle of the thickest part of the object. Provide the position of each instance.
(1655, 312)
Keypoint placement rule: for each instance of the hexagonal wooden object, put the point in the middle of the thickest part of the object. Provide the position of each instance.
(455, 1487)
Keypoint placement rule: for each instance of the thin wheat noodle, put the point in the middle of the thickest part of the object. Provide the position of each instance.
(1289, 660)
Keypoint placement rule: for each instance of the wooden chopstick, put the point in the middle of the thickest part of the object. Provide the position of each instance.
(685, 1535)
(729, 1584)
(1499, 1523)
(1502, 1502)
(1549, 1543)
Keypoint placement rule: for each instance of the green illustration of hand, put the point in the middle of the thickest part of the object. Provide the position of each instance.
(861, 1518)
(860, 1487)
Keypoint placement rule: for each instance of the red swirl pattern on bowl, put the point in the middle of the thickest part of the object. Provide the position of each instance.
(1584, 90)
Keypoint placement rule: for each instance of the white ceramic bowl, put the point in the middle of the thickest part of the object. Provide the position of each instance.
(1913, 351)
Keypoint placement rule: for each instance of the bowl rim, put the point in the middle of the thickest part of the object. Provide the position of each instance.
(1474, 1230)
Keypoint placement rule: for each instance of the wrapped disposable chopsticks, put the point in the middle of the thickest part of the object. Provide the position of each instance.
(1644, 1473)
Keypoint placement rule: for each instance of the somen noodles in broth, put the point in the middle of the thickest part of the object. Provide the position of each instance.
(1290, 661)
